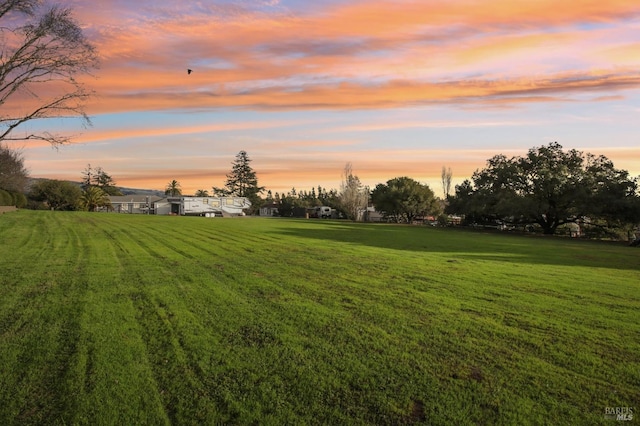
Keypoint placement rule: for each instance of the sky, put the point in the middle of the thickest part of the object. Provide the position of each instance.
(396, 88)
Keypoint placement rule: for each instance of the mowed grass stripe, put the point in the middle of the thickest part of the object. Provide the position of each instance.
(190, 320)
(104, 354)
(32, 322)
(149, 264)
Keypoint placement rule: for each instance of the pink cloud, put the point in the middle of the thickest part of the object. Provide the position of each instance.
(365, 54)
(390, 94)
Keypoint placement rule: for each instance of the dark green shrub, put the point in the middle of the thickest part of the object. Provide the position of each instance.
(5, 198)
(19, 199)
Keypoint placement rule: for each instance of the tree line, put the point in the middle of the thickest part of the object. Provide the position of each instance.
(547, 188)
(544, 189)
(91, 194)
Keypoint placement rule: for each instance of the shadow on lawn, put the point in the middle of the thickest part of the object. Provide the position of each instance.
(468, 244)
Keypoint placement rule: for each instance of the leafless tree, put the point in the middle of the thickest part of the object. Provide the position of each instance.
(41, 56)
(447, 176)
(353, 195)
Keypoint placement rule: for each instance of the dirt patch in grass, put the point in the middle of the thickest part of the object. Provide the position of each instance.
(417, 412)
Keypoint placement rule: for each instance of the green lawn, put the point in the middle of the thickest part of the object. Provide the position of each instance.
(117, 319)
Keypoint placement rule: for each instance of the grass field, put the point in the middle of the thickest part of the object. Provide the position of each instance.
(116, 319)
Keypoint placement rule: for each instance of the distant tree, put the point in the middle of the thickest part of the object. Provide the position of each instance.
(549, 187)
(305, 199)
(104, 181)
(242, 181)
(97, 176)
(202, 193)
(87, 177)
(13, 174)
(173, 188)
(447, 177)
(403, 199)
(42, 53)
(93, 198)
(353, 195)
(465, 201)
(329, 198)
(56, 194)
(286, 205)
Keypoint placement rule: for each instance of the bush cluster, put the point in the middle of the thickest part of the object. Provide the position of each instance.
(8, 198)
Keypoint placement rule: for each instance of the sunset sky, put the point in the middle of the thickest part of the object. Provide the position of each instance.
(397, 88)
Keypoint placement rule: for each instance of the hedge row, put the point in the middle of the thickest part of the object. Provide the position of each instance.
(12, 199)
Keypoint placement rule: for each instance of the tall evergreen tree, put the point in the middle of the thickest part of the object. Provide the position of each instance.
(242, 181)
(104, 181)
(87, 177)
(96, 176)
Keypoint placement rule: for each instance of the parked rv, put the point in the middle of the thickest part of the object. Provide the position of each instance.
(322, 212)
(209, 206)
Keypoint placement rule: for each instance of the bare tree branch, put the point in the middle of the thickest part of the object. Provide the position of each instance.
(26, 7)
(39, 62)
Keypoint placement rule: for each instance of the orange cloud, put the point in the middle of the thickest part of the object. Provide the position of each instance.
(130, 133)
(624, 53)
(383, 53)
(384, 95)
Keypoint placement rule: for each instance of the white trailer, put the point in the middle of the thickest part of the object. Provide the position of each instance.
(209, 206)
(323, 212)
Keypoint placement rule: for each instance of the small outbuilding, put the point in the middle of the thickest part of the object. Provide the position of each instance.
(270, 209)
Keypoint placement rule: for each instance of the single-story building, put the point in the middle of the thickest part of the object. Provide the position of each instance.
(370, 215)
(270, 210)
(183, 206)
(140, 204)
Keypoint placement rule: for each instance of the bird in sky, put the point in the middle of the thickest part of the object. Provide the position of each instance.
(189, 71)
